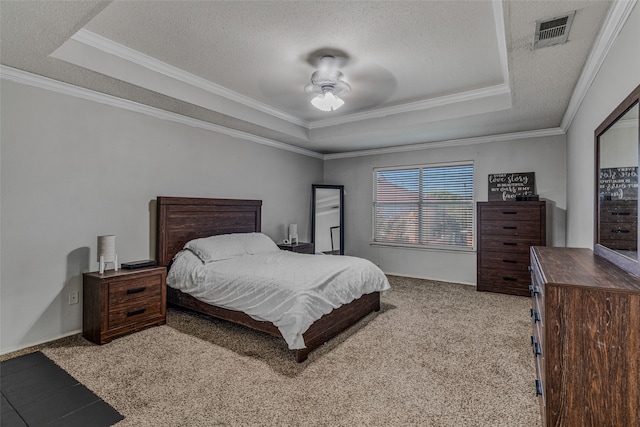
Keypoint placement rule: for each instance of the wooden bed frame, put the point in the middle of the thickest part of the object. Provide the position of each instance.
(182, 219)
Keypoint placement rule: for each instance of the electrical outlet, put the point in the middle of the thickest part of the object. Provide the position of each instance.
(73, 298)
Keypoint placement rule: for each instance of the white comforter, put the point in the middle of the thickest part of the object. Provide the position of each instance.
(290, 290)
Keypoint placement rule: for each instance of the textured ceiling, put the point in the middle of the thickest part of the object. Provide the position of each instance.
(420, 71)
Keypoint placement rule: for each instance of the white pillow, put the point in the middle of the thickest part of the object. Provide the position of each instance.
(225, 246)
(258, 243)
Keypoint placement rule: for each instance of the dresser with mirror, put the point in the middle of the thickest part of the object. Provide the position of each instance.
(586, 303)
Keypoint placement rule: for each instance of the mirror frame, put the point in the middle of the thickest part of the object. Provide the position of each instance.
(313, 212)
(626, 263)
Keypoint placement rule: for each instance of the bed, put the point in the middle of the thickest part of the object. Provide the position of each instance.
(181, 220)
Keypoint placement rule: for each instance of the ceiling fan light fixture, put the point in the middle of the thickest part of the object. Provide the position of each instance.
(327, 84)
(327, 101)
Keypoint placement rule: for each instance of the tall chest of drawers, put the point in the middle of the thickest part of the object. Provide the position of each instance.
(586, 339)
(506, 231)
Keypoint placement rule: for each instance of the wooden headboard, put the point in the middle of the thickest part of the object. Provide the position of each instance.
(181, 219)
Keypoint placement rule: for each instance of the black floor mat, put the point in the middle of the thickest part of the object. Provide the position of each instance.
(37, 392)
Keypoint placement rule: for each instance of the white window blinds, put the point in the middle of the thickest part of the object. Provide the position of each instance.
(424, 205)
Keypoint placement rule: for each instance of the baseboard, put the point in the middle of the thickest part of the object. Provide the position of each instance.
(14, 349)
(428, 278)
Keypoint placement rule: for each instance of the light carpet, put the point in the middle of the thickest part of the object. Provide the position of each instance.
(437, 354)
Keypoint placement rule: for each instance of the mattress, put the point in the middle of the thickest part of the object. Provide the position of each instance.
(288, 289)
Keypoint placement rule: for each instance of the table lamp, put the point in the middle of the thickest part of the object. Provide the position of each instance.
(107, 252)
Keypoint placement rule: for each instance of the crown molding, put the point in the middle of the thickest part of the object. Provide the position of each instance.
(450, 143)
(23, 77)
(113, 48)
(616, 17)
(414, 106)
(498, 15)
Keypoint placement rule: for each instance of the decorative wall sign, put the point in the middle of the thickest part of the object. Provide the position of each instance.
(618, 183)
(506, 186)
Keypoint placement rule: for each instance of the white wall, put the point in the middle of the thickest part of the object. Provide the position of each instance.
(618, 76)
(73, 169)
(545, 156)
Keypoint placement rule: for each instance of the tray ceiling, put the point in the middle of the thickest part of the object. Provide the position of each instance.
(420, 72)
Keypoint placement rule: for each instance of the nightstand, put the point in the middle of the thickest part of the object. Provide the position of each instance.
(118, 302)
(301, 247)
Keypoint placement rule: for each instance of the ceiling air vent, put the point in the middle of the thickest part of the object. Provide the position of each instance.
(553, 31)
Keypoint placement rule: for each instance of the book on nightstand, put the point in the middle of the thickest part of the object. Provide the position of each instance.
(133, 265)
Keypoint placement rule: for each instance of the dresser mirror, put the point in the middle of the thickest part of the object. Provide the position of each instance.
(327, 218)
(616, 224)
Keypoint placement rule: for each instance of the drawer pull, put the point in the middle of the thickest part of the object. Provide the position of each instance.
(509, 279)
(136, 290)
(134, 312)
(537, 350)
(619, 230)
(538, 388)
(621, 213)
(510, 261)
(535, 315)
(509, 227)
(510, 212)
(510, 243)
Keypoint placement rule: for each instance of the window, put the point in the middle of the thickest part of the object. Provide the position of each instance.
(429, 206)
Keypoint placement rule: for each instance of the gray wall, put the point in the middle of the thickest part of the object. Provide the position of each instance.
(545, 156)
(73, 169)
(618, 76)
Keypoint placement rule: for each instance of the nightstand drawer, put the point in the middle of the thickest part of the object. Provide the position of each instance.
(133, 311)
(121, 293)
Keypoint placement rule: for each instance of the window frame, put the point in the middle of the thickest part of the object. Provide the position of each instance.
(419, 246)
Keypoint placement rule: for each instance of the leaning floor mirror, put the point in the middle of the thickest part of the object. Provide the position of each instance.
(327, 219)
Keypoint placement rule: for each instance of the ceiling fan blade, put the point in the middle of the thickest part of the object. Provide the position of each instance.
(311, 88)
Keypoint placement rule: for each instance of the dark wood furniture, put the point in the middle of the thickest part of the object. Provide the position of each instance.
(118, 302)
(619, 224)
(183, 219)
(586, 339)
(506, 231)
(301, 247)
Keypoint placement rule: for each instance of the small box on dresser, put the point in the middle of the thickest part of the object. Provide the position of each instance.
(586, 339)
(118, 302)
(506, 231)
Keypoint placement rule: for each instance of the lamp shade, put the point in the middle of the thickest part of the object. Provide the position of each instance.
(107, 248)
(293, 229)
(327, 101)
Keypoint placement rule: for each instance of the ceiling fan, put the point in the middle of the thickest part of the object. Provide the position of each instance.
(328, 85)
